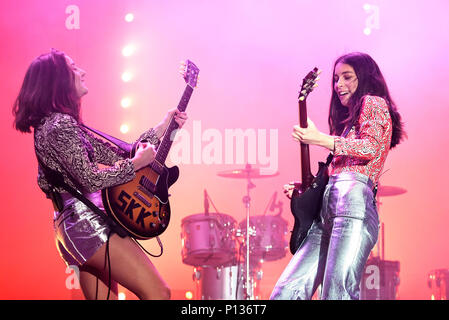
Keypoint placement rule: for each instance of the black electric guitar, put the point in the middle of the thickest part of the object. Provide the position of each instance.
(306, 198)
(141, 206)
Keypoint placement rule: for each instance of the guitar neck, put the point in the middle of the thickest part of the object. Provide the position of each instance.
(306, 173)
(165, 145)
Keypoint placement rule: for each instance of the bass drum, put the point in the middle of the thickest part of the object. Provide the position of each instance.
(268, 243)
(226, 283)
(208, 240)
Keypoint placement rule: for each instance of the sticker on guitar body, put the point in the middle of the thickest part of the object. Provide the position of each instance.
(128, 204)
(141, 213)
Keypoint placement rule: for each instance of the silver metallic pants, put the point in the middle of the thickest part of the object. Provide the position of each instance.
(337, 246)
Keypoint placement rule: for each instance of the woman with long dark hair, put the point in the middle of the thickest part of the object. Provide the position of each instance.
(338, 244)
(49, 102)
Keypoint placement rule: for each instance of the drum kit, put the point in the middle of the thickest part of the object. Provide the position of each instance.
(227, 257)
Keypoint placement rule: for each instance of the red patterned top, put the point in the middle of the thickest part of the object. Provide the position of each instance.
(366, 146)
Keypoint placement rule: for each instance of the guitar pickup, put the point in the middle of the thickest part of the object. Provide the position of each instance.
(141, 198)
(147, 184)
(157, 167)
(145, 191)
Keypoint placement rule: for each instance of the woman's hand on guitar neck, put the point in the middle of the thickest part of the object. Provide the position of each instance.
(311, 135)
(180, 118)
(145, 154)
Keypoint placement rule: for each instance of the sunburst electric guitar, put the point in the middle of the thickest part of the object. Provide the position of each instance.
(141, 206)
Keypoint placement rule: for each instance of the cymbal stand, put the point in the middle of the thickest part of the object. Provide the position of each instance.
(247, 202)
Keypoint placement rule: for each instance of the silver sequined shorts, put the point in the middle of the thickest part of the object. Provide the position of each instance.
(79, 232)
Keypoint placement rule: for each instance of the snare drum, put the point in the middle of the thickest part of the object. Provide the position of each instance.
(208, 240)
(268, 242)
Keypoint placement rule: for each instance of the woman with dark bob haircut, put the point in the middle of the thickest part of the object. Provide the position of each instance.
(337, 245)
(49, 102)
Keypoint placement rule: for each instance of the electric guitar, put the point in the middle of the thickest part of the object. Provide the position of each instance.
(306, 197)
(141, 206)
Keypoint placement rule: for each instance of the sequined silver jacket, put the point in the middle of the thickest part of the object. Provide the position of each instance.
(65, 146)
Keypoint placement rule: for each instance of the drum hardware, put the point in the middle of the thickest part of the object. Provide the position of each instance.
(268, 241)
(247, 201)
(247, 173)
(387, 191)
(208, 239)
(226, 282)
(384, 191)
(380, 279)
(438, 282)
(218, 273)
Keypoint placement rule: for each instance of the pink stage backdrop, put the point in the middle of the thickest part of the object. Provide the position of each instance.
(253, 56)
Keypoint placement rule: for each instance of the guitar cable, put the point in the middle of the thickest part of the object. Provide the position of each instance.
(107, 261)
(149, 253)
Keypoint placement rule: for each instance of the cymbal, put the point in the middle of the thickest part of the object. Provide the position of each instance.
(386, 191)
(248, 172)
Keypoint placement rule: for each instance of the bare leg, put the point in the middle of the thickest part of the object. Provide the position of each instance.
(130, 267)
(95, 285)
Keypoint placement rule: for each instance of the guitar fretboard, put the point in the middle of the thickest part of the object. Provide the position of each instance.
(165, 145)
(306, 174)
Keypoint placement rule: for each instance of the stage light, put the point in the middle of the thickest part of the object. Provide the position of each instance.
(189, 295)
(124, 128)
(126, 102)
(372, 21)
(127, 76)
(121, 296)
(129, 17)
(128, 50)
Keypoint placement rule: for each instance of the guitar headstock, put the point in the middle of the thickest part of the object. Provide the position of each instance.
(309, 83)
(190, 73)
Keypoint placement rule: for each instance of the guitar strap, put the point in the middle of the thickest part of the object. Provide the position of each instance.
(331, 155)
(56, 179)
(125, 146)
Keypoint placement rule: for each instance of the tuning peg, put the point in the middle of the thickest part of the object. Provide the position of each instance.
(315, 85)
(301, 98)
(183, 68)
